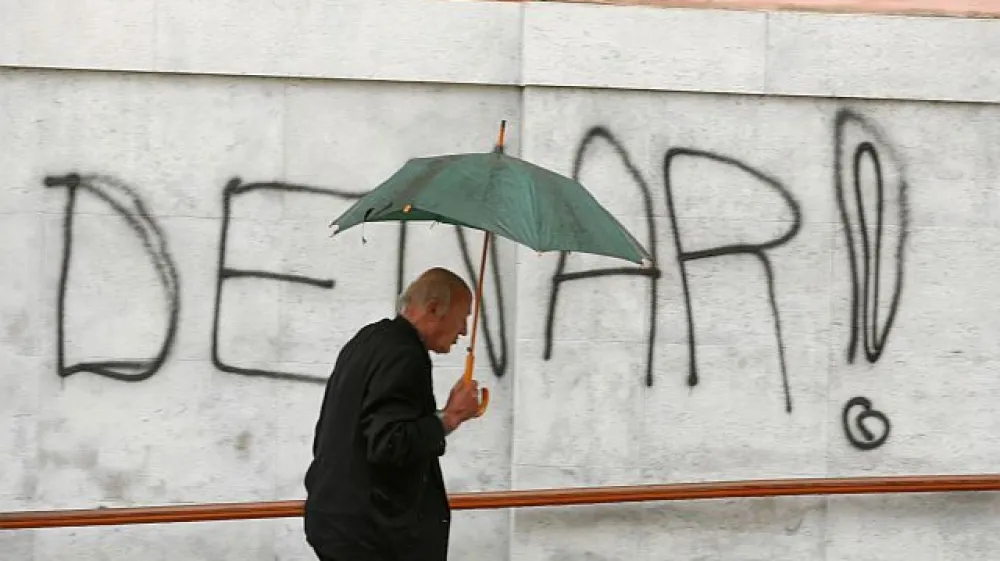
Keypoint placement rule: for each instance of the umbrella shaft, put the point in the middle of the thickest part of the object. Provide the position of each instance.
(471, 358)
(478, 305)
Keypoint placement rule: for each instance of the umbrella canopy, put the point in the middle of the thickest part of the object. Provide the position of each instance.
(500, 194)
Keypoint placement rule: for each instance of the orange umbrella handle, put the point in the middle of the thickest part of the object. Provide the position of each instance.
(484, 399)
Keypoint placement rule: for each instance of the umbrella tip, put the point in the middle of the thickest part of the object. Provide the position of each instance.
(647, 263)
(503, 129)
(334, 228)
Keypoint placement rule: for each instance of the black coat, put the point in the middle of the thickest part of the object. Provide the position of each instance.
(374, 487)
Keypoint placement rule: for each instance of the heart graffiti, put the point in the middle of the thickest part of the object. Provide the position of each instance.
(867, 439)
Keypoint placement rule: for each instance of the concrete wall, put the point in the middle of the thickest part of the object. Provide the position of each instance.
(170, 302)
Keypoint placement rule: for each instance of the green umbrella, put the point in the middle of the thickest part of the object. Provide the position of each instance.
(500, 195)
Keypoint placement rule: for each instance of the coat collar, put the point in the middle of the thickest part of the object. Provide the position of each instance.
(405, 326)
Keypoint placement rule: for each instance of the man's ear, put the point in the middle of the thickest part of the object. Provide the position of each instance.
(432, 307)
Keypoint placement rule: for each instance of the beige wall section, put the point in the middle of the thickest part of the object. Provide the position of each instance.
(563, 44)
(955, 8)
(757, 52)
(391, 40)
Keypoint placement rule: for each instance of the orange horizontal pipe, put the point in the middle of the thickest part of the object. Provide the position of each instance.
(515, 499)
(953, 8)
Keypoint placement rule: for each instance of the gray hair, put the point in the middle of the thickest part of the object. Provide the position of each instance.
(433, 285)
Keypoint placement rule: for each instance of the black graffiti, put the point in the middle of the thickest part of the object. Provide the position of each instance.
(498, 359)
(758, 251)
(653, 272)
(234, 189)
(867, 440)
(866, 262)
(127, 204)
(865, 250)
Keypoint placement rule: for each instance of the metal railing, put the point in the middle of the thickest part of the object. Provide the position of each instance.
(521, 498)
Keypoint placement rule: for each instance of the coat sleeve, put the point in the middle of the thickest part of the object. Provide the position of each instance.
(396, 430)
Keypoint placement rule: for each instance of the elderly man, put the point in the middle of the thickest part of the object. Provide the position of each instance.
(375, 491)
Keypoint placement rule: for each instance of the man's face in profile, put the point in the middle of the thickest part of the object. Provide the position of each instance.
(448, 328)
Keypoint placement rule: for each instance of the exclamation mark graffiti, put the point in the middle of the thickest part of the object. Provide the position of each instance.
(871, 196)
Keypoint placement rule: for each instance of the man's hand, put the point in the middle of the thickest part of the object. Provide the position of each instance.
(463, 404)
